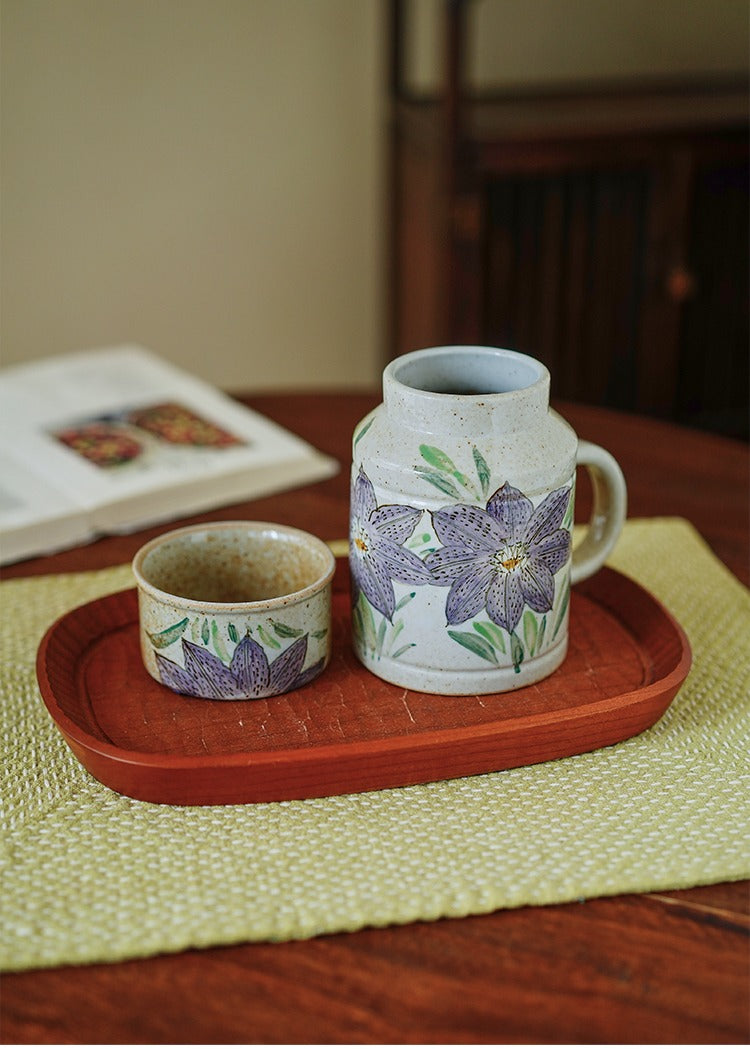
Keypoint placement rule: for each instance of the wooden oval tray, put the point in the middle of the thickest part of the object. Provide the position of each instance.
(348, 731)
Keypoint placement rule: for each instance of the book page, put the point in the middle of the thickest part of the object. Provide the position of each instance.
(35, 518)
(129, 439)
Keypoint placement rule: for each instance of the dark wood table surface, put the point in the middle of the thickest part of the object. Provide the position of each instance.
(667, 967)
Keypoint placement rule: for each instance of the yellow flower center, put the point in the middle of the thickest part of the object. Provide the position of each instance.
(510, 557)
(360, 544)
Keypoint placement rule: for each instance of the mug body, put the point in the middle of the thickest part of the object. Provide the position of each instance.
(462, 495)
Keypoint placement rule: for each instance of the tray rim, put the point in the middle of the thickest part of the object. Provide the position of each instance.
(165, 761)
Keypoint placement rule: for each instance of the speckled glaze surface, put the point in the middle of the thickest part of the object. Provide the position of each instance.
(235, 609)
(462, 503)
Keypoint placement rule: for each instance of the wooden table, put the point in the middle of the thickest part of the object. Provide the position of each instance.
(660, 967)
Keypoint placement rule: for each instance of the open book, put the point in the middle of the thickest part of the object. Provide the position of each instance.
(114, 440)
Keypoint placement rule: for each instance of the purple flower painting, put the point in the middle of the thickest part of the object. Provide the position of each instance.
(501, 558)
(249, 675)
(376, 553)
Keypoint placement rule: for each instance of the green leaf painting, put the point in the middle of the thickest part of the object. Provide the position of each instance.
(483, 470)
(561, 612)
(362, 431)
(379, 638)
(542, 631)
(438, 459)
(400, 651)
(567, 521)
(530, 630)
(218, 642)
(474, 644)
(268, 641)
(445, 468)
(488, 641)
(446, 476)
(516, 652)
(283, 630)
(444, 484)
(405, 600)
(422, 544)
(491, 632)
(364, 622)
(166, 637)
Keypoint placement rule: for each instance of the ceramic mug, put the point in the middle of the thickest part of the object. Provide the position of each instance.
(463, 485)
(235, 609)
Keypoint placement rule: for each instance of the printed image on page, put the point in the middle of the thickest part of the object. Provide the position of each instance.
(137, 438)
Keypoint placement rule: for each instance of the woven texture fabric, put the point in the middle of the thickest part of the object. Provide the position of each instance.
(91, 876)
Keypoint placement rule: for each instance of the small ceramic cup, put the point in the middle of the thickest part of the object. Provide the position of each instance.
(235, 609)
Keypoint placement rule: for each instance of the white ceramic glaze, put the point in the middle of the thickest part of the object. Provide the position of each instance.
(235, 609)
(463, 483)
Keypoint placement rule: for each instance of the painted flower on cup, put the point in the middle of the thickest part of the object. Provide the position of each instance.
(376, 553)
(501, 558)
(249, 675)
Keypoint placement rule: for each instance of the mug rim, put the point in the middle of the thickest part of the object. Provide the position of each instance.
(407, 360)
(292, 597)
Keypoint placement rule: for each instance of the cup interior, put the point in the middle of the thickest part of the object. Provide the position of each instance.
(467, 370)
(236, 564)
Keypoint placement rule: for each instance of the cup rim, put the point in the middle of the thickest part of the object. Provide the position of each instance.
(293, 597)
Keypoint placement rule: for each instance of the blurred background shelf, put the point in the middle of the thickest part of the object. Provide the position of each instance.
(601, 227)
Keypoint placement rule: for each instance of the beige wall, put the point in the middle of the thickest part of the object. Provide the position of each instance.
(206, 176)
(199, 176)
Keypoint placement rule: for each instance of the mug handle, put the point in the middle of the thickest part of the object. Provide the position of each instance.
(608, 514)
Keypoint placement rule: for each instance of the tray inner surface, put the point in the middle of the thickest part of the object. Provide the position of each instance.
(116, 701)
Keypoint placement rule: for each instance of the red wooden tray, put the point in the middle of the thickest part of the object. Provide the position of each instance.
(348, 731)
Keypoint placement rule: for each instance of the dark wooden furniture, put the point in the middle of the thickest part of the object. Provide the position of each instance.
(603, 230)
(660, 967)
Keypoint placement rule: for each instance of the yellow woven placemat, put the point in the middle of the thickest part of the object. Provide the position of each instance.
(91, 876)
